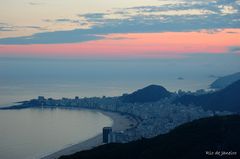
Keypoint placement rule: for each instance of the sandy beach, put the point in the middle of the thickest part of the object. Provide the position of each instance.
(120, 123)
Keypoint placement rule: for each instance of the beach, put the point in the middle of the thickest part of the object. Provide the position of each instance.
(120, 123)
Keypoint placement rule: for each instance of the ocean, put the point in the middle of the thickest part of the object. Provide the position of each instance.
(34, 133)
(24, 79)
(31, 133)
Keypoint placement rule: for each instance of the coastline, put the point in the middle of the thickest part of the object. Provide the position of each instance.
(121, 122)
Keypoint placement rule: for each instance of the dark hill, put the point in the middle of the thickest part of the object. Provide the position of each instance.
(150, 93)
(189, 141)
(225, 81)
(225, 99)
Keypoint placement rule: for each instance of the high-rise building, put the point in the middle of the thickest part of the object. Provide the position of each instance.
(106, 132)
(41, 98)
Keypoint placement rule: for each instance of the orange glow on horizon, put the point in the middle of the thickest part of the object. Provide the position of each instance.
(167, 44)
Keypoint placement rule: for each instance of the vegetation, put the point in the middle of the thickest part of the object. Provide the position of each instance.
(199, 139)
(227, 99)
(150, 93)
(225, 81)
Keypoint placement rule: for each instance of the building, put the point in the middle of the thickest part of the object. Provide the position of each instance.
(112, 137)
(41, 98)
(118, 137)
(106, 132)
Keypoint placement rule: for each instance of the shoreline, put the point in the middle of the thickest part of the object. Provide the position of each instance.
(121, 122)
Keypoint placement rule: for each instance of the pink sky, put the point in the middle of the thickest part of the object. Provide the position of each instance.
(167, 44)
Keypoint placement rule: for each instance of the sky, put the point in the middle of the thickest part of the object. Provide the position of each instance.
(119, 29)
(110, 47)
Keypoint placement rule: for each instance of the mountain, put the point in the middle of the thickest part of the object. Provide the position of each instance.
(188, 141)
(225, 99)
(225, 81)
(150, 93)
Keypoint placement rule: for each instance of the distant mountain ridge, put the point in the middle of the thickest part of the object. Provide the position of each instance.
(151, 93)
(225, 99)
(225, 81)
(194, 140)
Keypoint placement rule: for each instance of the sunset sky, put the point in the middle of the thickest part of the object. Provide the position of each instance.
(126, 28)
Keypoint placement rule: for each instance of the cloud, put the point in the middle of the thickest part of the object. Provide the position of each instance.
(35, 3)
(53, 37)
(63, 20)
(66, 20)
(227, 9)
(234, 49)
(136, 24)
(31, 27)
(93, 16)
(178, 17)
(232, 32)
(6, 27)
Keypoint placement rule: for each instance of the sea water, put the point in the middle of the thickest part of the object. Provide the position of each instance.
(34, 133)
(30, 133)
(24, 79)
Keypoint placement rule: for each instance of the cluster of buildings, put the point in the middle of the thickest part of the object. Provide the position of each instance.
(153, 118)
(109, 136)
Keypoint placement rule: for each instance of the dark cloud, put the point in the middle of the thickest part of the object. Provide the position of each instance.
(234, 49)
(136, 24)
(52, 37)
(140, 22)
(96, 18)
(63, 20)
(93, 16)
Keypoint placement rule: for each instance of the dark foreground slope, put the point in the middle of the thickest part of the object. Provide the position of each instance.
(150, 93)
(189, 141)
(226, 99)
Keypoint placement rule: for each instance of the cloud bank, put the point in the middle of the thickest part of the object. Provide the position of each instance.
(180, 17)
